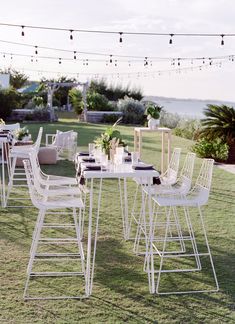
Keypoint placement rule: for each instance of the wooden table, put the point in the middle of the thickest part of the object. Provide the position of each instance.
(166, 138)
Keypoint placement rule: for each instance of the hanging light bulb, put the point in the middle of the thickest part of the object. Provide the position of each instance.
(36, 50)
(22, 30)
(31, 59)
(170, 40)
(71, 34)
(178, 61)
(111, 60)
(120, 39)
(222, 39)
(60, 60)
(74, 55)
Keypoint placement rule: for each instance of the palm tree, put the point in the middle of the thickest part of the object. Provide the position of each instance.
(220, 123)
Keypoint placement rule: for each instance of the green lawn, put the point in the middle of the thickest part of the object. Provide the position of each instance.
(120, 292)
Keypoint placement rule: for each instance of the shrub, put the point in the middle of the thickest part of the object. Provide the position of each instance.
(215, 149)
(169, 120)
(38, 114)
(188, 128)
(110, 118)
(37, 101)
(114, 92)
(97, 101)
(76, 100)
(133, 111)
(9, 99)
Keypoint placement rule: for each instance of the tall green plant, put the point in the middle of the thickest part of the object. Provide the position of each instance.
(220, 123)
(76, 100)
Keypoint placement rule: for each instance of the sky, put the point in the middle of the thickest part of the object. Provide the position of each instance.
(192, 79)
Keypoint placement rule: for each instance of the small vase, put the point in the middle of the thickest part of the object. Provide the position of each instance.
(153, 123)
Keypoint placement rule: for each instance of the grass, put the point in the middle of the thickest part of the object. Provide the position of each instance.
(120, 292)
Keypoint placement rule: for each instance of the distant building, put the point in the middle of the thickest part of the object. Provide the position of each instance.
(4, 80)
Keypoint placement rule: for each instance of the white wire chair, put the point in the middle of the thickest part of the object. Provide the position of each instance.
(171, 174)
(65, 144)
(181, 187)
(196, 198)
(53, 206)
(48, 185)
(17, 177)
(10, 127)
(168, 178)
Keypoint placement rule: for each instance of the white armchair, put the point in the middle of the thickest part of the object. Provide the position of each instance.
(64, 142)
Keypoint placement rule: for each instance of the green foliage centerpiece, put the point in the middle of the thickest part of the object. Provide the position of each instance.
(110, 139)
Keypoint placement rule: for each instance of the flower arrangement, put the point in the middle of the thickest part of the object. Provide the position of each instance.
(153, 111)
(2, 121)
(110, 138)
(21, 133)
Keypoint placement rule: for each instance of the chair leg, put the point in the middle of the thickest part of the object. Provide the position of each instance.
(163, 254)
(37, 240)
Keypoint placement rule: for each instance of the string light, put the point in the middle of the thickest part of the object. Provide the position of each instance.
(74, 55)
(134, 74)
(22, 31)
(110, 59)
(222, 39)
(120, 39)
(123, 32)
(36, 50)
(60, 60)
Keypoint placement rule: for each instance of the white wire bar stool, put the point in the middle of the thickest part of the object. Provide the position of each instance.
(4, 160)
(17, 177)
(48, 181)
(160, 261)
(167, 179)
(181, 187)
(44, 253)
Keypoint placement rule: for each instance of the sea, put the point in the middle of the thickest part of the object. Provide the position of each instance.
(191, 108)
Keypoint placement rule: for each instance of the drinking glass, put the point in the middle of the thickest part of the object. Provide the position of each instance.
(91, 148)
(134, 157)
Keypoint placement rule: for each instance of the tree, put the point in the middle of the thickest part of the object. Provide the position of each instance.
(17, 79)
(9, 99)
(220, 123)
(76, 100)
(62, 93)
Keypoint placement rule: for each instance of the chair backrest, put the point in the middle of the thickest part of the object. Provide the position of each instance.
(66, 143)
(62, 139)
(203, 182)
(186, 173)
(171, 174)
(35, 197)
(11, 127)
(37, 143)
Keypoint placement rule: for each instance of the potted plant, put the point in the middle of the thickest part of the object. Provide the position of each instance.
(22, 134)
(153, 115)
(2, 123)
(111, 137)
